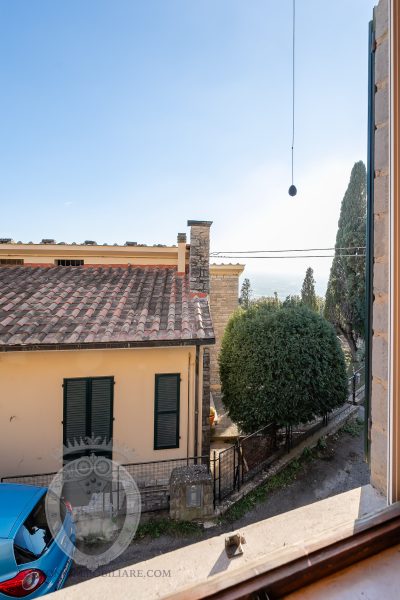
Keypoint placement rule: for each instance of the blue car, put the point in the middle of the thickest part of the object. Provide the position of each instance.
(32, 564)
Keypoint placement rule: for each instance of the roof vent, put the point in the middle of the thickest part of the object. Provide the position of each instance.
(48, 241)
(6, 241)
(90, 243)
(130, 243)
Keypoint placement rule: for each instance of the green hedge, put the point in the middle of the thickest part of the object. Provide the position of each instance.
(280, 365)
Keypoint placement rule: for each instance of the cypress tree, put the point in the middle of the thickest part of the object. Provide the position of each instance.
(345, 302)
(245, 294)
(308, 295)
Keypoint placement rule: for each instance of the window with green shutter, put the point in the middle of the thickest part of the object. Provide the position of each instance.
(88, 410)
(166, 411)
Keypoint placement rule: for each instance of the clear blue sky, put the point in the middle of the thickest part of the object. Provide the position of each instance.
(121, 119)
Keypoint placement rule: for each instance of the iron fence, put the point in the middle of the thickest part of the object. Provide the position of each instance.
(243, 460)
(152, 479)
(356, 385)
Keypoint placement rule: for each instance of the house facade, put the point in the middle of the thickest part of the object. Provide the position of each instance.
(105, 341)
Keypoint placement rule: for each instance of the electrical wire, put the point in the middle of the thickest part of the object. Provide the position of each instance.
(290, 256)
(293, 81)
(217, 252)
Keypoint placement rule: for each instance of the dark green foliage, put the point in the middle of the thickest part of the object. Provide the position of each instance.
(320, 305)
(292, 301)
(245, 294)
(354, 427)
(155, 528)
(269, 301)
(281, 366)
(308, 296)
(345, 296)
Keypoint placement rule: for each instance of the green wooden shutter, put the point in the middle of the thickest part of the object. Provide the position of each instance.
(166, 413)
(75, 412)
(101, 409)
(88, 411)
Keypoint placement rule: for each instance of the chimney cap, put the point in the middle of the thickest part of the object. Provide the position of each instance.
(200, 223)
(181, 238)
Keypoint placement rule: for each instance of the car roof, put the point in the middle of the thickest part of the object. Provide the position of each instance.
(16, 502)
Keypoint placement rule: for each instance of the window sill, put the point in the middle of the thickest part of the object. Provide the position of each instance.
(286, 541)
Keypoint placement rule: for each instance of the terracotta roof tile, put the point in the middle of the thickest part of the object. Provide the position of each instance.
(98, 305)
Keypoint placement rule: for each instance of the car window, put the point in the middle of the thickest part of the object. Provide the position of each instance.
(34, 536)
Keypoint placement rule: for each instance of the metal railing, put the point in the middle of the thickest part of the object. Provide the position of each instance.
(357, 385)
(232, 467)
(152, 479)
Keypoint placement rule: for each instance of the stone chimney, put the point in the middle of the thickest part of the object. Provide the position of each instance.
(199, 259)
(181, 253)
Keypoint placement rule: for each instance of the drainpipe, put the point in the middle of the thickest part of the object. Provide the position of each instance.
(196, 403)
(188, 406)
(369, 266)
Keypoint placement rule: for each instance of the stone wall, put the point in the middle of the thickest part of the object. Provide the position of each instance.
(224, 294)
(183, 480)
(380, 324)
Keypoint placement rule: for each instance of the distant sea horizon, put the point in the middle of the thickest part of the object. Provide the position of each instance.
(284, 285)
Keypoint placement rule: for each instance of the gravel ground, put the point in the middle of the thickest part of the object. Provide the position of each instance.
(338, 468)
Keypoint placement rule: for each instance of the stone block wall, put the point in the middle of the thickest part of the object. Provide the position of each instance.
(381, 307)
(183, 478)
(224, 300)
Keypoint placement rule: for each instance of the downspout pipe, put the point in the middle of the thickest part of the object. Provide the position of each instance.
(196, 403)
(369, 266)
(188, 406)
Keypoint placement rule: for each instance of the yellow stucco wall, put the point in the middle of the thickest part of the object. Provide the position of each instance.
(31, 402)
(39, 254)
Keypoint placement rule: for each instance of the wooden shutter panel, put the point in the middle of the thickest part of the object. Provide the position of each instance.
(166, 417)
(75, 416)
(102, 400)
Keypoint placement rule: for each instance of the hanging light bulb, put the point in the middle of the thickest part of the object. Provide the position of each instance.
(293, 189)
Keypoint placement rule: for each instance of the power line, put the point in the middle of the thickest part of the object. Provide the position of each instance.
(293, 80)
(282, 251)
(292, 190)
(290, 256)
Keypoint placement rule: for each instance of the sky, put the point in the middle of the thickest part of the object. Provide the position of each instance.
(121, 119)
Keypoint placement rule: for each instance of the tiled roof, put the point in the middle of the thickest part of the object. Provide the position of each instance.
(97, 306)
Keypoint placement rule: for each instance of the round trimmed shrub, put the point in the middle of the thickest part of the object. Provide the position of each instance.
(283, 366)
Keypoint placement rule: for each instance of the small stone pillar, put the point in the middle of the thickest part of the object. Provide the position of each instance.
(191, 493)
